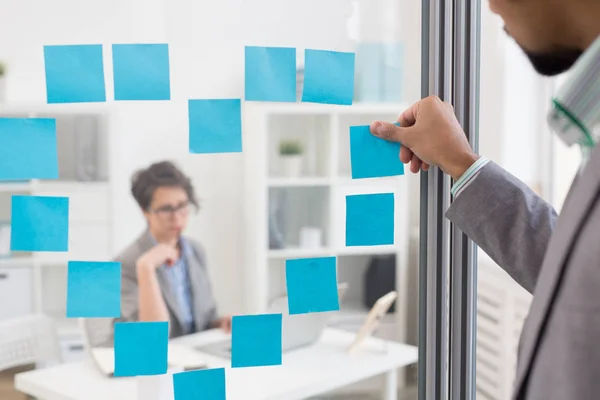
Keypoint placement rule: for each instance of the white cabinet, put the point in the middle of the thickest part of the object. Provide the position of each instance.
(16, 291)
(71, 348)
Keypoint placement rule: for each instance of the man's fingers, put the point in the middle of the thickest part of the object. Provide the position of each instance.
(415, 164)
(425, 167)
(409, 116)
(388, 131)
(405, 154)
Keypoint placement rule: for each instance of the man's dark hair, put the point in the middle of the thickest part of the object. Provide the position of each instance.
(144, 182)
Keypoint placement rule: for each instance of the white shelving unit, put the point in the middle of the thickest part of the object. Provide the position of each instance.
(36, 282)
(314, 199)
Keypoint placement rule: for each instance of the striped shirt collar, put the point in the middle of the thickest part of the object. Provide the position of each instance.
(576, 107)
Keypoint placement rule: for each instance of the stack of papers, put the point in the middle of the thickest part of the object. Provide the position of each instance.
(178, 357)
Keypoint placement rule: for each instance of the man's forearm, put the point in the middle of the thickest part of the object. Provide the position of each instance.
(507, 220)
(151, 303)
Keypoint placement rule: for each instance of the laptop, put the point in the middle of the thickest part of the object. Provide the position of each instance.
(298, 330)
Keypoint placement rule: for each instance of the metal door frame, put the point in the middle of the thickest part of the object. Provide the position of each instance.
(447, 258)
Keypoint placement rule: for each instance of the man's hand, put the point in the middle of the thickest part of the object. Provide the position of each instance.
(430, 135)
(223, 323)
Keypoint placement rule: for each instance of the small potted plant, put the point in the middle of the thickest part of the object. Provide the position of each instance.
(290, 153)
(2, 82)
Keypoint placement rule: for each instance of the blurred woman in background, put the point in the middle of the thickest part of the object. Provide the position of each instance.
(164, 274)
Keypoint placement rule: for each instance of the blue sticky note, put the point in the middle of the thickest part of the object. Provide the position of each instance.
(328, 77)
(270, 74)
(393, 71)
(215, 126)
(370, 219)
(28, 149)
(311, 285)
(372, 157)
(74, 74)
(93, 289)
(256, 340)
(369, 72)
(204, 384)
(141, 348)
(141, 71)
(39, 223)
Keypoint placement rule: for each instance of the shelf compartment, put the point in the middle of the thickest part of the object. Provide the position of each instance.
(353, 271)
(293, 209)
(312, 132)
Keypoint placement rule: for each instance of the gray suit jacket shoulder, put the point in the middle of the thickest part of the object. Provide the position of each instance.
(204, 306)
(555, 258)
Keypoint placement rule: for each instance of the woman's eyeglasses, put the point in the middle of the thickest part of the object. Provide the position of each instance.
(169, 211)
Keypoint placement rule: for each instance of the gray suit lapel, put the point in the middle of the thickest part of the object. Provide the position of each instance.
(194, 270)
(576, 207)
(201, 291)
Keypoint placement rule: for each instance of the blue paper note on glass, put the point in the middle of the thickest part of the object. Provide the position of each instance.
(372, 157)
(74, 74)
(28, 149)
(39, 223)
(369, 72)
(393, 71)
(370, 219)
(256, 340)
(311, 285)
(141, 348)
(270, 74)
(205, 384)
(141, 71)
(328, 77)
(215, 126)
(93, 289)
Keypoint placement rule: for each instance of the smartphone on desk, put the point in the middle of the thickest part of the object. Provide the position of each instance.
(377, 312)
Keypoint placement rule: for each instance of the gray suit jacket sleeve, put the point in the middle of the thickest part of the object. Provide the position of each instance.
(507, 220)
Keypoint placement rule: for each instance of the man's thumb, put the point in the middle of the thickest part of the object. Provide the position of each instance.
(387, 131)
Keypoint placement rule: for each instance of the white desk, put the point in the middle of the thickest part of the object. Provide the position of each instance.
(306, 372)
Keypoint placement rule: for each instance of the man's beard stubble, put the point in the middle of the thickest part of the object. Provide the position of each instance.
(550, 63)
(553, 63)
